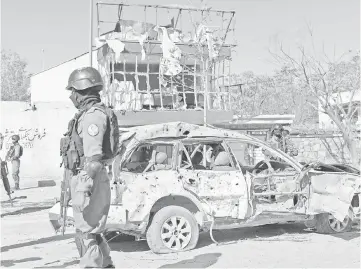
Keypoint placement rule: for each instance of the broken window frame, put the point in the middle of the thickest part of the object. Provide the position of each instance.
(151, 143)
(204, 142)
(279, 174)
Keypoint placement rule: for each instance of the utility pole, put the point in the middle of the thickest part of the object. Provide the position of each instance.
(43, 59)
(91, 34)
(205, 70)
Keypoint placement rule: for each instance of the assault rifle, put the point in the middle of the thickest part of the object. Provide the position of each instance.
(65, 198)
(4, 177)
(10, 153)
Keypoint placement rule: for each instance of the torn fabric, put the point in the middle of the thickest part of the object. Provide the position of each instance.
(117, 46)
(170, 62)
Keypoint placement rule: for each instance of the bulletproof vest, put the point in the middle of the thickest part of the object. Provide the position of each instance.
(71, 145)
(111, 136)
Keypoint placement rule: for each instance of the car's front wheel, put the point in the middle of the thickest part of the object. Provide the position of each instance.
(173, 229)
(328, 224)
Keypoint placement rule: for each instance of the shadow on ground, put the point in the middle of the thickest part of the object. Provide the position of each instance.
(295, 232)
(13, 199)
(37, 242)
(199, 261)
(260, 233)
(8, 263)
(64, 265)
(132, 246)
(26, 210)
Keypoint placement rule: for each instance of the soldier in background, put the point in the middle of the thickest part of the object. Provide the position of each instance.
(13, 155)
(288, 145)
(280, 139)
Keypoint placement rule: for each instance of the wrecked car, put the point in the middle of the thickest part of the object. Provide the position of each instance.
(172, 181)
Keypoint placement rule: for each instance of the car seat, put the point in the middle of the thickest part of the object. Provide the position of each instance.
(222, 162)
(161, 159)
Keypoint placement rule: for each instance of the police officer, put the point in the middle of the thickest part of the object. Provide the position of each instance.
(90, 187)
(289, 147)
(280, 140)
(13, 156)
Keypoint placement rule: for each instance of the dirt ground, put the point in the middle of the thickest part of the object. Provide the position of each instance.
(28, 241)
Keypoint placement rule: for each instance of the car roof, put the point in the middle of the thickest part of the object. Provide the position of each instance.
(178, 130)
(181, 130)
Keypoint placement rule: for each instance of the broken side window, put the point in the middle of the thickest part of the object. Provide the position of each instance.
(205, 156)
(149, 157)
(255, 158)
(272, 175)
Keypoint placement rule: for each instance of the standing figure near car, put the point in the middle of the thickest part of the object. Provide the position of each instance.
(13, 155)
(280, 140)
(94, 138)
(289, 147)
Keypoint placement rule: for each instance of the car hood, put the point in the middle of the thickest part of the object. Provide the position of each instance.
(333, 168)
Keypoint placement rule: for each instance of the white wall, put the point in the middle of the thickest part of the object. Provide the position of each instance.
(325, 121)
(49, 86)
(40, 132)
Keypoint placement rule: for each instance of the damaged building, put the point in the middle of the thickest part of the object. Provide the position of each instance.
(158, 66)
(175, 65)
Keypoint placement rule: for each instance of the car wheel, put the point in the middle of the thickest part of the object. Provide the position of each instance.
(173, 229)
(328, 224)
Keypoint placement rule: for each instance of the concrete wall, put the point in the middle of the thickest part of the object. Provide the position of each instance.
(325, 122)
(323, 148)
(40, 132)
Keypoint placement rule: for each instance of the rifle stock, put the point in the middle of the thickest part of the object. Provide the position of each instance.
(64, 198)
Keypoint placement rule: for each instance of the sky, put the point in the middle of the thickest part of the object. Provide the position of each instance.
(49, 32)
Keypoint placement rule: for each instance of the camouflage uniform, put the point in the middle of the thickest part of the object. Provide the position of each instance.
(90, 186)
(284, 144)
(13, 156)
(91, 214)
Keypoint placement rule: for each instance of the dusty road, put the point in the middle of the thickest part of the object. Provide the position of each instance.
(27, 241)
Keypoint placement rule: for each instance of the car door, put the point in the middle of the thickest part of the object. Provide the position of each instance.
(143, 178)
(277, 183)
(225, 191)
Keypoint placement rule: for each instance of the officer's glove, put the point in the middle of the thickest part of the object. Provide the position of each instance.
(92, 168)
(80, 201)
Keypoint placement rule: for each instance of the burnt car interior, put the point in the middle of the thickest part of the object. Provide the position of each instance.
(205, 156)
(149, 157)
(271, 174)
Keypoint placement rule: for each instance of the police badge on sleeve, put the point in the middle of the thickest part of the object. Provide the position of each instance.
(93, 130)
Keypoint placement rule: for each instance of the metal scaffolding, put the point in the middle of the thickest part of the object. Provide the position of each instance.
(185, 64)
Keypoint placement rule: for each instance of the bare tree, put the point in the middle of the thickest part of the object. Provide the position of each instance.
(276, 94)
(334, 83)
(14, 78)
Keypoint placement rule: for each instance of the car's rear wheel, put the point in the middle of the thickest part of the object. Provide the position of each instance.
(328, 224)
(173, 229)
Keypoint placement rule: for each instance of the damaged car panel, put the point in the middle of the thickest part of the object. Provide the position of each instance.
(218, 183)
(170, 180)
